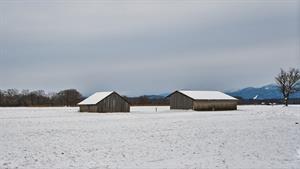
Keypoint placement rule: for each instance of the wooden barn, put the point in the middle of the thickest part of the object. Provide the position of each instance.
(103, 102)
(202, 100)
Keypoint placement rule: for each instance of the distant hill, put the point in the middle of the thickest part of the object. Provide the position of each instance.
(265, 92)
(160, 96)
(257, 93)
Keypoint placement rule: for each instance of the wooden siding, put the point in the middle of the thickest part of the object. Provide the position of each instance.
(88, 108)
(113, 103)
(212, 105)
(83, 108)
(180, 101)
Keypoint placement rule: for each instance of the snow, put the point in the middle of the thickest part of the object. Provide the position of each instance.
(207, 95)
(50, 138)
(146, 109)
(255, 97)
(95, 98)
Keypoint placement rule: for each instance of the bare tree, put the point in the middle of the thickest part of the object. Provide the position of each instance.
(287, 82)
(69, 97)
(12, 97)
(1, 97)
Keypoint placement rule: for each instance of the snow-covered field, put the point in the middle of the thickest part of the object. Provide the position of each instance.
(262, 137)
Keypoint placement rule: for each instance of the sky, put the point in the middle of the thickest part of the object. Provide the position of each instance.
(146, 46)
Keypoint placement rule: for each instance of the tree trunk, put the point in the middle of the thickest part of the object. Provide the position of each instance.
(286, 101)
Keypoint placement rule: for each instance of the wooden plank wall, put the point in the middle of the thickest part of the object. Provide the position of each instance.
(180, 101)
(113, 103)
(212, 105)
(88, 108)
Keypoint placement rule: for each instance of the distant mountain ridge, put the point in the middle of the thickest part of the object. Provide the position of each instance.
(265, 92)
(270, 91)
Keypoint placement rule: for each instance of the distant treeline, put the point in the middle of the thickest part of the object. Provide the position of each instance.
(162, 101)
(147, 101)
(265, 101)
(70, 97)
(14, 98)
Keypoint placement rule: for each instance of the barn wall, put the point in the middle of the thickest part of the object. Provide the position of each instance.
(113, 103)
(215, 105)
(93, 108)
(180, 101)
(83, 108)
(88, 108)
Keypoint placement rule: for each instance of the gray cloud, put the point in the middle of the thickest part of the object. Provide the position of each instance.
(149, 47)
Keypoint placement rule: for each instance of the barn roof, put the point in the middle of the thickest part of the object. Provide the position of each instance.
(206, 95)
(95, 98)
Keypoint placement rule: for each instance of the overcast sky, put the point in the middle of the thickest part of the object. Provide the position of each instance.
(145, 46)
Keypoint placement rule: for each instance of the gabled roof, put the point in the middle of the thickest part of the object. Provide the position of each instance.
(205, 95)
(95, 98)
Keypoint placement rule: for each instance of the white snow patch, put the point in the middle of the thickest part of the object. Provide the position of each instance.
(95, 98)
(251, 137)
(207, 95)
(147, 109)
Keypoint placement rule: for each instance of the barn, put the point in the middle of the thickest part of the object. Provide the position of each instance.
(103, 102)
(202, 100)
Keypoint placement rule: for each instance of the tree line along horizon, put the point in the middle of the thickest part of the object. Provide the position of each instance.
(287, 82)
(13, 97)
(68, 97)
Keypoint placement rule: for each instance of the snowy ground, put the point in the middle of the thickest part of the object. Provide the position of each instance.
(262, 137)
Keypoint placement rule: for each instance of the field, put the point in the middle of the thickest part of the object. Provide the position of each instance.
(259, 137)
